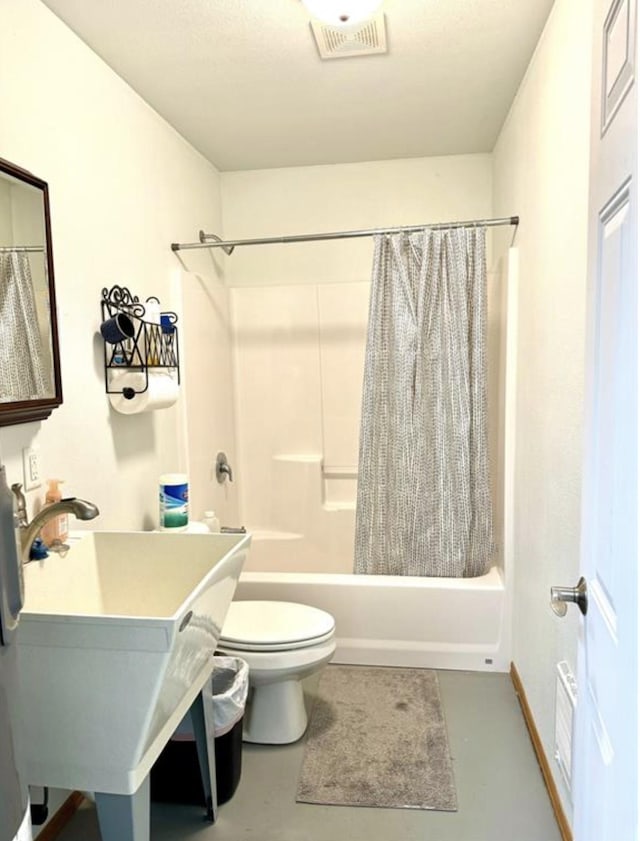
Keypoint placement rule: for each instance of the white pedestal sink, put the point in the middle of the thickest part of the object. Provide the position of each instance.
(115, 643)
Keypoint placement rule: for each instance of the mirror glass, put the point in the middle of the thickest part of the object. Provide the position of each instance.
(29, 365)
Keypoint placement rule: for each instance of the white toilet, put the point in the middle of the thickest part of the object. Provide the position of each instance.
(282, 642)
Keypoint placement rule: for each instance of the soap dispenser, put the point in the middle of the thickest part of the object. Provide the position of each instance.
(211, 521)
(56, 530)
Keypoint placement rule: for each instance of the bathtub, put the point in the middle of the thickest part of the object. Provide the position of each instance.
(443, 623)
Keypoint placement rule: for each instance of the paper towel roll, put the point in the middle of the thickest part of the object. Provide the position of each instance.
(163, 391)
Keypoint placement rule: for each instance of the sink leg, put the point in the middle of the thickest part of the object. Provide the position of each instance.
(124, 817)
(202, 722)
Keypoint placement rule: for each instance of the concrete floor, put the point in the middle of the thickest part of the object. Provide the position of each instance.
(501, 795)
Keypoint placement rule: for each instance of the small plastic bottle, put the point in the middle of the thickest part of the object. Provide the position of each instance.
(56, 529)
(211, 521)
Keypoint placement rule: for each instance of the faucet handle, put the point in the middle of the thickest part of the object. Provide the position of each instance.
(21, 503)
(17, 489)
(223, 468)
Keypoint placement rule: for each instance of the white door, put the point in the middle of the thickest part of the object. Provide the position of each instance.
(606, 746)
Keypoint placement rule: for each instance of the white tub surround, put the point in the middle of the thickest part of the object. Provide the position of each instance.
(304, 553)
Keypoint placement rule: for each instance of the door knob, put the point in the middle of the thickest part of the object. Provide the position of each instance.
(561, 596)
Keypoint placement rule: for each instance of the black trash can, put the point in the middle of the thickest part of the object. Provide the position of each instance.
(175, 776)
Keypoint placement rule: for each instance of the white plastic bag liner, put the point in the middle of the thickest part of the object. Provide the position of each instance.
(229, 687)
(227, 692)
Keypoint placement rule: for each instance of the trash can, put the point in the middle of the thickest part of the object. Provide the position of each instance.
(175, 776)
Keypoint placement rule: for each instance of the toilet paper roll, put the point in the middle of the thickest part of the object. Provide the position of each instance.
(163, 391)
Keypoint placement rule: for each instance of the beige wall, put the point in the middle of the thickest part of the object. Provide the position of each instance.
(541, 171)
(300, 315)
(123, 186)
(274, 202)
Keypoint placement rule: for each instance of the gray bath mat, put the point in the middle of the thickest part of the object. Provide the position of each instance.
(377, 737)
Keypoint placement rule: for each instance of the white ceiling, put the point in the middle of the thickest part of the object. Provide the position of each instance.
(243, 82)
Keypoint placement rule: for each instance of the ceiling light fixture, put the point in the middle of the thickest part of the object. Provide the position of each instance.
(342, 12)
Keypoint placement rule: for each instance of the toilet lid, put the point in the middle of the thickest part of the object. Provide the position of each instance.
(274, 626)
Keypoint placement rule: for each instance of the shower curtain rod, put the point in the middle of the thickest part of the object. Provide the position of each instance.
(214, 241)
(29, 248)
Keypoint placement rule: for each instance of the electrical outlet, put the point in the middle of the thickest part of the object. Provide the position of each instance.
(31, 468)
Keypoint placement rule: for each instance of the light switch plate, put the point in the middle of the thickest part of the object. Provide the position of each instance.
(31, 468)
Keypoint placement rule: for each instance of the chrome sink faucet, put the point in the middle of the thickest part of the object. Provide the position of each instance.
(80, 508)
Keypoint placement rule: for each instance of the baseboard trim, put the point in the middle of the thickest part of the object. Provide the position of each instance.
(61, 818)
(554, 796)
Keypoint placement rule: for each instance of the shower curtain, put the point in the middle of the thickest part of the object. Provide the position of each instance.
(423, 502)
(22, 375)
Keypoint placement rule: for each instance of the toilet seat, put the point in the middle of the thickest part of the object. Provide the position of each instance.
(275, 626)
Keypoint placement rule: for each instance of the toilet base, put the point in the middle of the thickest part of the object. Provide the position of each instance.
(276, 714)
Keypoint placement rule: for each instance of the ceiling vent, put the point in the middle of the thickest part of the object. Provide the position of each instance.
(367, 38)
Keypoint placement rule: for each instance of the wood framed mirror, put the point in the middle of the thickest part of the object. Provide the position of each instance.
(30, 382)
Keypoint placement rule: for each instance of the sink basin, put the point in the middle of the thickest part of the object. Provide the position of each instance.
(115, 642)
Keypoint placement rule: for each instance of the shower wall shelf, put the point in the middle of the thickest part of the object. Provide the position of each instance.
(153, 345)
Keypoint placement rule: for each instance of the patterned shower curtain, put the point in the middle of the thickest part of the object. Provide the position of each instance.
(424, 502)
(22, 375)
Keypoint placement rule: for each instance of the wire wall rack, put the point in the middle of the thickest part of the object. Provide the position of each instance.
(152, 345)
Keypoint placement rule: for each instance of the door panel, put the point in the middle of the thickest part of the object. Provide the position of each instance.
(618, 57)
(606, 748)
